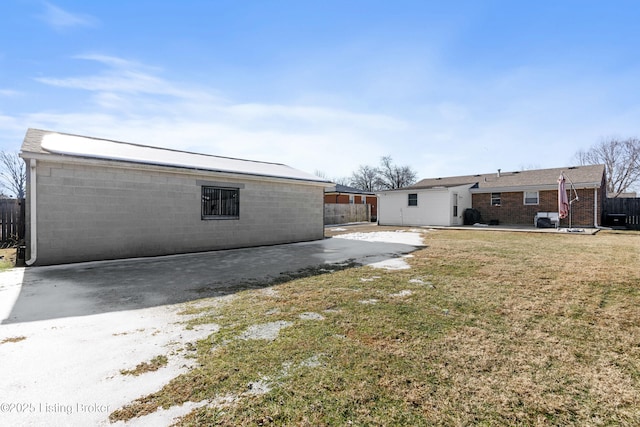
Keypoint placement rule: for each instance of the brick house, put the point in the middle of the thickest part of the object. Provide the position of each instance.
(506, 198)
(95, 199)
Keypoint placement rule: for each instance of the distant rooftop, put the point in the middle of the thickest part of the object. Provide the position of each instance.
(581, 176)
(48, 142)
(349, 190)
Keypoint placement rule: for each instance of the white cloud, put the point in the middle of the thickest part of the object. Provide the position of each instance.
(119, 80)
(60, 19)
(315, 114)
(112, 61)
(519, 116)
(131, 102)
(9, 93)
(331, 148)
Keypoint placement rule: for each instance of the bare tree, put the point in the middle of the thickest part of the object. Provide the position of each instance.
(388, 176)
(339, 180)
(343, 180)
(366, 178)
(394, 176)
(621, 159)
(530, 167)
(12, 173)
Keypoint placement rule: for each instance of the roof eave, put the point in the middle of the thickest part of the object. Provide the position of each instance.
(433, 189)
(124, 164)
(365, 193)
(520, 188)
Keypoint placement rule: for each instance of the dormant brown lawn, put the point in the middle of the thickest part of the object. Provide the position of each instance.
(485, 328)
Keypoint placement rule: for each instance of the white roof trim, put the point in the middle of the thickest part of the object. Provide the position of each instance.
(428, 189)
(80, 146)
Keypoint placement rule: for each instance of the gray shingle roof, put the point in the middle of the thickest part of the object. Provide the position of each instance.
(349, 190)
(589, 176)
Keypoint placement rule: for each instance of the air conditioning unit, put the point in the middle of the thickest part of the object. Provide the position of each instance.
(546, 220)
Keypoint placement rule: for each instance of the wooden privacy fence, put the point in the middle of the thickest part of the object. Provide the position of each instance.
(342, 213)
(11, 221)
(629, 208)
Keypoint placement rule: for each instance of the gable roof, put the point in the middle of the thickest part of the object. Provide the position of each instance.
(43, 142)
(589, 176)
(348, 190)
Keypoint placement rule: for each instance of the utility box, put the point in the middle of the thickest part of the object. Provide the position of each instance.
(544, 223)
(616, 220)
(550, 219)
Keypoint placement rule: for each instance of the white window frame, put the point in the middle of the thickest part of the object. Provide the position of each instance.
(493, 197)
(455, 205)
(530, 202)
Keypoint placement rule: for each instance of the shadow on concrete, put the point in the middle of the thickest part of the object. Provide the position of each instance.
(99, 287)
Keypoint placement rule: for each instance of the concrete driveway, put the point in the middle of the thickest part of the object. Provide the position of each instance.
(97, 287)
(68, 331)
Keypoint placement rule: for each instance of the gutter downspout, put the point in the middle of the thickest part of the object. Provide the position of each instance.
(595, 207)
(33, 223)
(595, 212)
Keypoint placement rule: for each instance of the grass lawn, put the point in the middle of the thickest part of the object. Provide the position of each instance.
(7, 258)
(486, 328)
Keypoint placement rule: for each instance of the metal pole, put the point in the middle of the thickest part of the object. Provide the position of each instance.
(571, 211)
(572, 187)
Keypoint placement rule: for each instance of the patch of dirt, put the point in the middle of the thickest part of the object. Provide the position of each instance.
(311, 271)
(13, 339)
(151, 366)
(266, 331)
(403, 293)
(8, 255)
(311, 316)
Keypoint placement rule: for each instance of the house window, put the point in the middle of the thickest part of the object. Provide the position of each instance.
(455, 204)
(220, 203)
(531, 198)
(413, 199)
(495, 199)
(351, 199)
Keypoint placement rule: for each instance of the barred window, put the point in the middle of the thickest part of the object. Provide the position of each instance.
(220, 203)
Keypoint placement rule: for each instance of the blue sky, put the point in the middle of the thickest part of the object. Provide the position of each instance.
(446, 87)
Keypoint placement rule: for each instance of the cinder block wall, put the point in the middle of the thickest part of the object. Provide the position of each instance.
(95, 212)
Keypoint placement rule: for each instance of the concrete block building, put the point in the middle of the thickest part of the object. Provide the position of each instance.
(96, 199)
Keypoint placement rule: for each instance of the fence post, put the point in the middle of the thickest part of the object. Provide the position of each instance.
(21, 219)
(627, 206)
(12, 221)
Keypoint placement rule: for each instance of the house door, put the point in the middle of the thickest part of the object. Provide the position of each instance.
(455, 220)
